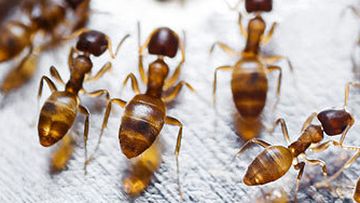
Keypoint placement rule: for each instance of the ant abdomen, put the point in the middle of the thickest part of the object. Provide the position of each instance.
(56, 117)
(258, 5)
(142, 122)
(269, 166)
(93, 42)
(164, 42)
(334, 122)
(12, 41)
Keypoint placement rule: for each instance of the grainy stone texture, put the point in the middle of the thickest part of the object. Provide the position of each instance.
(315, 36)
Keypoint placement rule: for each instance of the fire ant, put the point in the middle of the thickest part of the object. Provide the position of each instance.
(46, 18)
(275, 161)
(162, 42)
(145, 114)
(249, 83)
(59, 111)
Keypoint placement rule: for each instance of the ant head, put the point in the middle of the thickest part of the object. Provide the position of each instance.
(258, 5)
(164, 42)
(334, 121)
(74, 3)
(82, 64)
(93, 42)
(47, 18)
(158, 70)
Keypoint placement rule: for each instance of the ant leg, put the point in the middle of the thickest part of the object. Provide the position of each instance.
(268, 37)
(347, 91)
(98, 93)
(277, 68)
(260, 142)
(284, 129)
(174, 121)
(221, 68)
(55, 74)
(106, 68)
(226, 48)
(76, 34)
(318, 162)
(343, 135)
(275, 58)
(134, 83)
(308, 121)
(112, 54)
(300, 166)
(171, 81)
(49, 82)
(119, 102)
(243, 32)
(141, 53)
(335, 175)
(175, 92)
(85, 111)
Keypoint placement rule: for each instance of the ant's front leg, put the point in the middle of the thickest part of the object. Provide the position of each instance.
(226, 48)
(134, 83)
(55, 74)
(266, 39)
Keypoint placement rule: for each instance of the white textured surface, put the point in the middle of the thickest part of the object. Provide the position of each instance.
(312, 33)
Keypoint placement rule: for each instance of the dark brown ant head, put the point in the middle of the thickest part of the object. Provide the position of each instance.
(258, 5)
(47, 18)
(164, 42)
(334, 122)
(93, 42)
(82, 65)
(74, 4)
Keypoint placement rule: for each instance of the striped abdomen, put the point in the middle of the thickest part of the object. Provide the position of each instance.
(269, 166)
(56, 117)
(249, 87)
(142, 122)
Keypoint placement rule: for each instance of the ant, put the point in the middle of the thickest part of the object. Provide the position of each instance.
(356, 195)
(275, 161)
(59, 111)
(145, 114)
(162, 42)
(249, 83)
(44, 17)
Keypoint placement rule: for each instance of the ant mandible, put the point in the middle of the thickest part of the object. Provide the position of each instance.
(249, 83)
(59, 111)
(45, 17)
(275, 161)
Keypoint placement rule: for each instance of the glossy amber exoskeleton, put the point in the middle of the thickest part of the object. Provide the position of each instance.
(258, 5)
(356, 195)
(275, 161)
(249, 83)
(59, 111)
(46, 19)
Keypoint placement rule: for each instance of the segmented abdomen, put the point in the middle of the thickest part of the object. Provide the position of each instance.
(142, 122)
(56, 117)
(268, 166)
(249, 88)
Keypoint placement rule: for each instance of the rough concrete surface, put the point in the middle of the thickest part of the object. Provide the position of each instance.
(312, 33)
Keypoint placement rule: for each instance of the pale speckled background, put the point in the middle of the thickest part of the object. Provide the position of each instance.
(311, 32)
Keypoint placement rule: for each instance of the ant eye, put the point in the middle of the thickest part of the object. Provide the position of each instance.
(258, 5)
(164, 42)
(93, 42)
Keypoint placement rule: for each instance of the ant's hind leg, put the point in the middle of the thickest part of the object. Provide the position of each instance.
(175, 122)
(85, 111)
(277, 68)
(134, 83)
(221, 68)
(318, 162)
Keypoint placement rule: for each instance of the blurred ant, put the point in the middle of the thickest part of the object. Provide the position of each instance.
(59, 111)
(145, 114)
(249, 83)
(252, 5)
(46, 18)
(275, 161)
